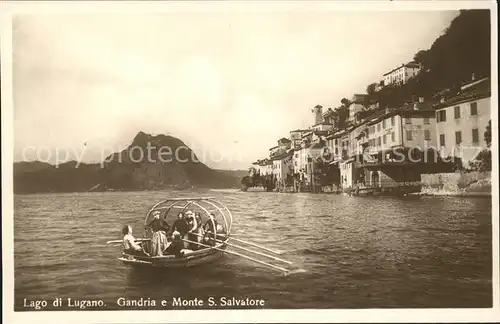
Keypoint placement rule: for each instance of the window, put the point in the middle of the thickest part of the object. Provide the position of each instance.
(409, 136)
(407, 120)
(475, 136)
(427, 135)
(441, 116)
(473, 109)
(427, 121)
(378, 127)
(442, 140)
(379, 141)
(392, 121)
(457, 112)
(458, 138)
(393, 137)
(384, 138)
(383, 124)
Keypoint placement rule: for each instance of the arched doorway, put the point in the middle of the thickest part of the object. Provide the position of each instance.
(375, 179)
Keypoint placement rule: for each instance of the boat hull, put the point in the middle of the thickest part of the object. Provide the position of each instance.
(190, 259)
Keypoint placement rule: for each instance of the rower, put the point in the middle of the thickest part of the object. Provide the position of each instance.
(129, 244)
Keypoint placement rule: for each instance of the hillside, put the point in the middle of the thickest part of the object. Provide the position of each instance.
(126, 170)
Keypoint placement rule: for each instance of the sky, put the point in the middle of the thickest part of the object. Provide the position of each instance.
(228, 84)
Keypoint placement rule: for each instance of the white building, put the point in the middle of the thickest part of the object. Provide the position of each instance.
(401, 74)
(461, 122)
(403, 128)
(282, 167)
(296, 137)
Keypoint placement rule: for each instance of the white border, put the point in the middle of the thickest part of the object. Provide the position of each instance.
(228, 316)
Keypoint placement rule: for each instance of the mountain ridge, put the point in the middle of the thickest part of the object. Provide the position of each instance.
(140, 166)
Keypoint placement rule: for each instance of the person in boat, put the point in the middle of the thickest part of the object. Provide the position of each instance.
(199, 231)
(130, 246)
(192, 226)
(175, 247)
(158, 224)
(159, 241)
(180, 225)
(209, 229)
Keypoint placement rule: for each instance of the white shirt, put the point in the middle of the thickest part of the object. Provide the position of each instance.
(129, 242)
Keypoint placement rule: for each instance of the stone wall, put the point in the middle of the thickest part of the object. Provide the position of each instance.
(458, 181)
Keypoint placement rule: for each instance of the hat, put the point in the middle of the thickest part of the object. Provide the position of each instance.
(189, 212)
(156, 214)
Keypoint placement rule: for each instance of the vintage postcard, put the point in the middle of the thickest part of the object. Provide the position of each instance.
(220, 161)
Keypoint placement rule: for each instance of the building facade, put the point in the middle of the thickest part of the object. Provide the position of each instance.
(401, 74)
(460, 127)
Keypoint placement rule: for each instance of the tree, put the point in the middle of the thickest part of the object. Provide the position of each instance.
(345, 102)
(370, 89)
(487, 134)
(421, 57)
(482, 162)
(340, 117)
(464, 48)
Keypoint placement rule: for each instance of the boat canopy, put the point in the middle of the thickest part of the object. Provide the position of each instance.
(170, 209)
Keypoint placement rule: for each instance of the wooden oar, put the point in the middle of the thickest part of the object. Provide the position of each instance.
(248, 250)
(120, 241)
(240, 255)
(252, 244)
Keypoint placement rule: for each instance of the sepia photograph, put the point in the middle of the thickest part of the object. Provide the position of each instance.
(179, 161)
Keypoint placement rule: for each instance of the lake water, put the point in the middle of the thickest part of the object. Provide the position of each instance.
(350, 252)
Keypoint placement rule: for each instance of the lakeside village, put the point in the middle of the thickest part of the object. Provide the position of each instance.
(372, 145)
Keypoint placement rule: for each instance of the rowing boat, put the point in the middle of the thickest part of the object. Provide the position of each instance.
(204, 248)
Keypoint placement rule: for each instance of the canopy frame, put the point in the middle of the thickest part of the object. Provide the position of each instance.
(202, 203)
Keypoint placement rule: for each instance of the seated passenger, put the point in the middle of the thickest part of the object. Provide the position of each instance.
(181, 226)
(129, 244)
(176, 245)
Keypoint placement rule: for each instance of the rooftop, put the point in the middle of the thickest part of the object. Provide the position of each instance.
(284, 140)
(470, 91)
(409, 65)
(322, 123)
